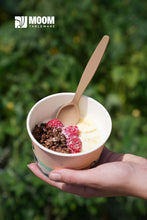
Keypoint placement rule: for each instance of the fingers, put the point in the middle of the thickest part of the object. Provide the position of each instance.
(84, 191)
(75, 177)
(70, 188)
(34, 168)
(59, 176)
(107, 175)
(96, 182)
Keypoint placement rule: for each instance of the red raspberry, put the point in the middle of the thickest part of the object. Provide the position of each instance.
(74, 144)
(70, 131)
(55, 123)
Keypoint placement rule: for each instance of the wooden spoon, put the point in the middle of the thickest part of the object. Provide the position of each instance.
(69, 114)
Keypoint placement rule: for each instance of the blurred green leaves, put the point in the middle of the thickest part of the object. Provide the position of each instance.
(35, 63)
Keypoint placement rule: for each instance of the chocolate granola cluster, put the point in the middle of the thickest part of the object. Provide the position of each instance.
(51, 137)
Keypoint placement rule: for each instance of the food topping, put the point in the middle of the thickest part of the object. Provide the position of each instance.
(54, 136)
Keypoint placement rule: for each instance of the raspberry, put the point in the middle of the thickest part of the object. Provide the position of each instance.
(70, 130)
(74, 144)
(71, 133)
(55, 123)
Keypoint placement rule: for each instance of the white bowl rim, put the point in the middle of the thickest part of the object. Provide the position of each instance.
(65, 154)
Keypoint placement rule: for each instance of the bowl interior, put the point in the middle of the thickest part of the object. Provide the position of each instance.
(47, 108)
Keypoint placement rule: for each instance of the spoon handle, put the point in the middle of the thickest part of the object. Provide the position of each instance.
(91, 68)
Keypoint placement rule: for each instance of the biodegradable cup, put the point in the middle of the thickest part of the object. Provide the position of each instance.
(46, 109)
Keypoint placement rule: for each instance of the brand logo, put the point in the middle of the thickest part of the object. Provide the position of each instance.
(34, 21)
(20, 21)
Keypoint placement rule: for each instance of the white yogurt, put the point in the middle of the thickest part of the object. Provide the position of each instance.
(88, 133)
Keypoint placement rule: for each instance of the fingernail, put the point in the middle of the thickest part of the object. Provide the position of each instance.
(55, 176)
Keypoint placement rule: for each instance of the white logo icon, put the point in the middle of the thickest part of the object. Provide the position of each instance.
(20, 21)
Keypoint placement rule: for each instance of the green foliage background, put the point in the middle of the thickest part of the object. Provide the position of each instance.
(37, 62)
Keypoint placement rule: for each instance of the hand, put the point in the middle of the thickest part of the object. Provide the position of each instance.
(116, 175)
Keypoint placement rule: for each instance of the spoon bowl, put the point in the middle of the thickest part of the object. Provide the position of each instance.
(69, 114)
(68, 111)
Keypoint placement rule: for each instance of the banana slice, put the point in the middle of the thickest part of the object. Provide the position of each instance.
(86, 125)
(88, 144)
(89, 133)
(93, 134)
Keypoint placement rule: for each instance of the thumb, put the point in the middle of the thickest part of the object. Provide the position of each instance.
(78, 177)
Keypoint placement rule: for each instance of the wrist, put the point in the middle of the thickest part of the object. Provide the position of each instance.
(136, 183)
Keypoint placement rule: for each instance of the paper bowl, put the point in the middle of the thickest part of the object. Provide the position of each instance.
(46, 109)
